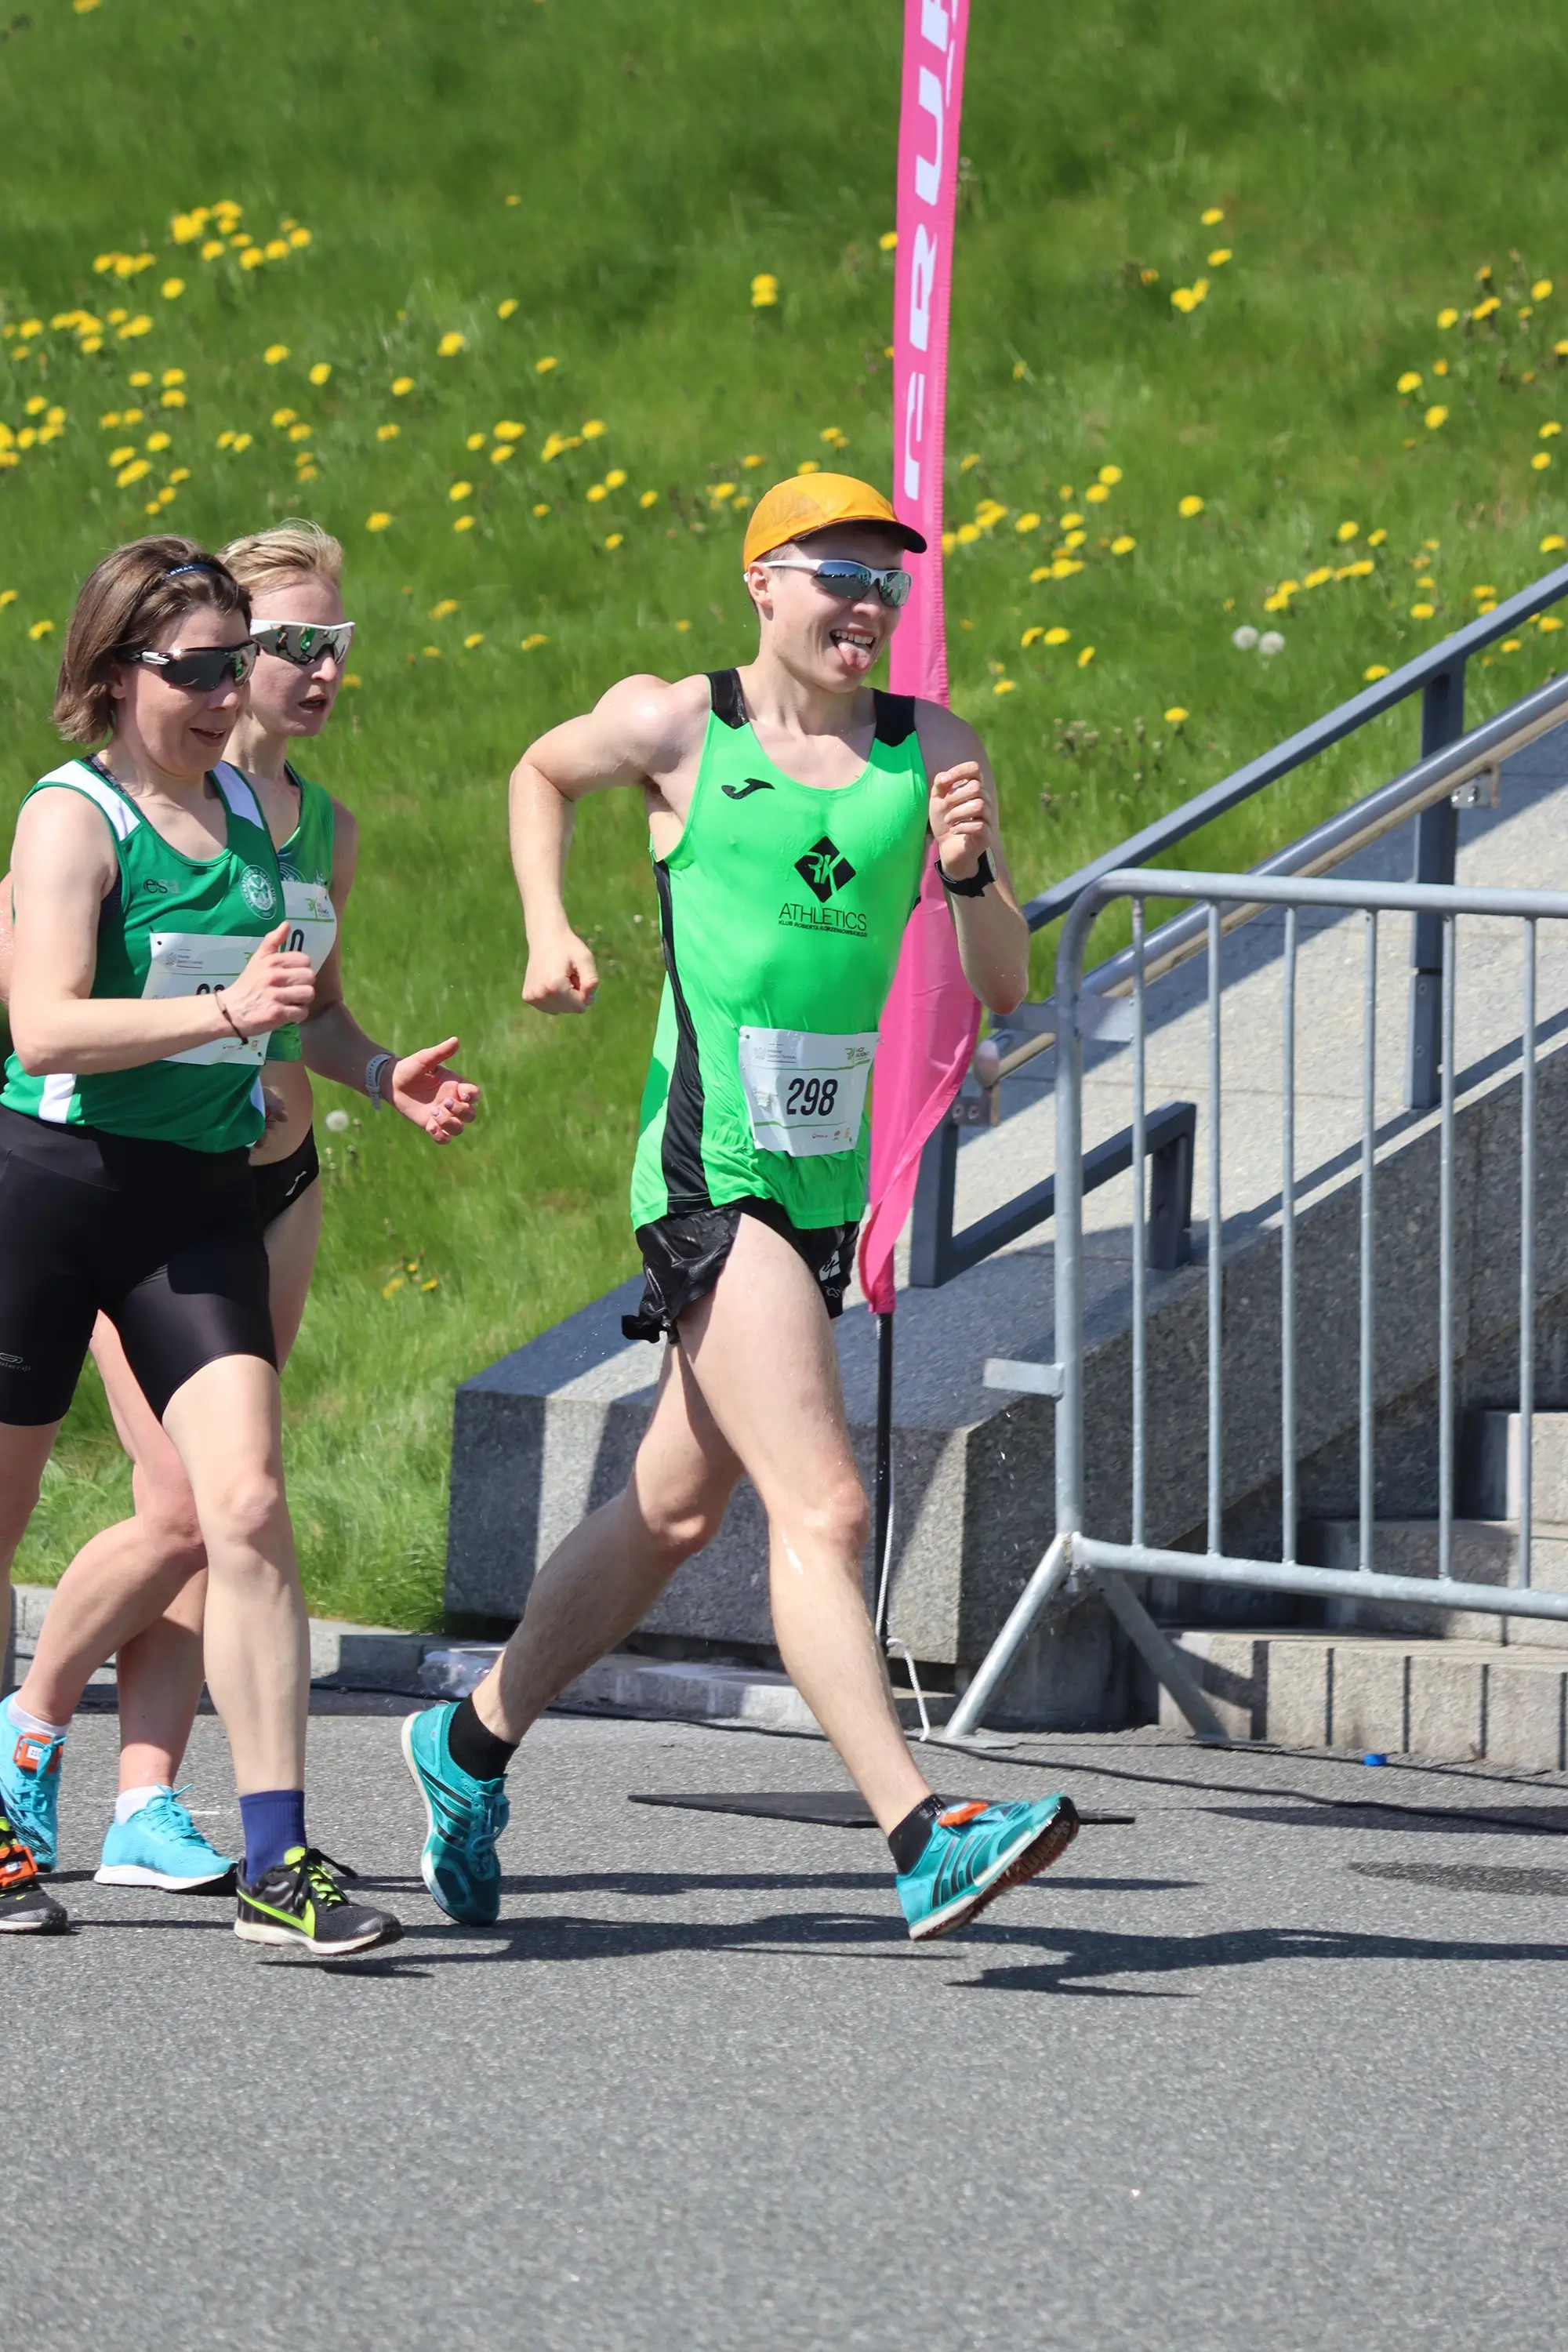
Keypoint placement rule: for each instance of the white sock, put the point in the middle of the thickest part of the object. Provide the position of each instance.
(34, 1724)
(131, 1800)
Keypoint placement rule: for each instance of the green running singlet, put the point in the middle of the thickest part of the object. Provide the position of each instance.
(783, 910)
(173, 926)
(305, 862)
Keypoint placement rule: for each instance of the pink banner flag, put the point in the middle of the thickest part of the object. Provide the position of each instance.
(931, 1019)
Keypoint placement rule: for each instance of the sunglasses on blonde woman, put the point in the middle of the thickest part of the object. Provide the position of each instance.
(304, 642)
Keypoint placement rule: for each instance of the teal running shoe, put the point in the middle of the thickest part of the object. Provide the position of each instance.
(466, 1816)
(976, 1852)
(30, 1788)
(161, 1846)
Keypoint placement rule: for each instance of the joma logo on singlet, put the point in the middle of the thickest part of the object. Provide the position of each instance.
(825, 869)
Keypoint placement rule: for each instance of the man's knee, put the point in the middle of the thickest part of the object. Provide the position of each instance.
(837, 1520)
(680, 1525)
(243, 1511)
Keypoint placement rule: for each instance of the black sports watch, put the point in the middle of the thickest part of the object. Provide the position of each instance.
(979, 882)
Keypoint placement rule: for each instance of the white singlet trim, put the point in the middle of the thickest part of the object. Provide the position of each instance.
(236, 791)
(123, 818)
(59, 1089)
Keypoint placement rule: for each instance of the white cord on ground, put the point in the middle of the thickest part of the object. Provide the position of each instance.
(908, 1658)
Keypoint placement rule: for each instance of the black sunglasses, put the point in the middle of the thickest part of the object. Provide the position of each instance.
(304, 642)
(199, 672)
(854, 581)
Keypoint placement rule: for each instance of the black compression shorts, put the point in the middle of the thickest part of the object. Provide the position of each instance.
(683, 1257)
(166, 1241)
(281, 1182)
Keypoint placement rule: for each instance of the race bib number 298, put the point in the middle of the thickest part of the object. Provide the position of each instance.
(805, 1092)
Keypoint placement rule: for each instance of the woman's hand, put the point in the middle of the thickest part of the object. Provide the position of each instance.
(435, 1097)
(276, 987)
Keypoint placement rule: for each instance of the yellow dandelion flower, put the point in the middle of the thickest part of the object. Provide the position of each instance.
(141, 325)
(1540, 289)
(41, 629)
(1436, 416)
(1549, 431)
(888, 240)
(764, 290)
(615, 538)
(1085, 656)
(450, 344)
(109, 420)
(967, 533)
(1068, 522)
(1315, 579)
(1109, 475)
(1439, 367)
(275, 354)
(753, 459)
(54, 416)
(1075, 539)
(1540, 460)
(1031, 636)
(504, 310)
(321, 372)
(401, 384)
(1219, 256)
(542, 367)
(379, 520)
(1510, 646)
(181, 474)
(91, 343)
(282, 417)
(299, 433)
(1373, 671)
(1422, 612)
(510, 430)
(1124, 545)
(1176, 715)
(593, 428)
(1484, 309)
(541, 508)
(475, 441)
(597, 491)
(616, 477)
(212, 249)
(241, 441)
(1097, 494)
(808, 466)
(276, 249)
(648, 498)
(35, 406)
(502, 451)
(1215, 213)
(1058, 636)
(172, 375)
(156, 441)
(1447, 318)
(299, 236)
(1027, 522)
(137, 470)
(1347, 532)
(387, 432)
(1182, 299)
(531, 643)
(460, 492)
(475, 638)
(7, 597)
(1483, 590)
(172, 289)
(1376, 538)
(1552, 542)
(1005, 686)
(444, 609)
(464, 523)
(1548, 621)
(1189, 506)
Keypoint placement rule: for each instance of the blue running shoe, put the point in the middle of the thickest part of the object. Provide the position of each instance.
(466, 1816)
(161, 1846)
(975, 1852)
(30, 1788)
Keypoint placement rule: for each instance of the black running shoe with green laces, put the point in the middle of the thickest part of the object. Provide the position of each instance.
(25, 1909)
(300, 1901)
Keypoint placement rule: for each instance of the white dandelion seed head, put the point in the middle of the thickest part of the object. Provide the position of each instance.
(1244, 638)
(338, 1122)
(1271, 643)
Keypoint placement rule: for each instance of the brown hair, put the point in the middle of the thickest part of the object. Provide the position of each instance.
(124, 602)
(291, 550)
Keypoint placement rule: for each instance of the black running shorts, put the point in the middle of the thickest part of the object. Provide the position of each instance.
(165, 1241)
(281, 1182)
(683, 1257)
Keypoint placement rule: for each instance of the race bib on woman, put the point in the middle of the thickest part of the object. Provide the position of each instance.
(202, 963)
(806, 1093)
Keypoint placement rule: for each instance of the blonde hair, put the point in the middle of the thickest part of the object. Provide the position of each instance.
(291, 548)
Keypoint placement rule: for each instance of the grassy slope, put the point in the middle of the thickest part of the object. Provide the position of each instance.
(1369, 159)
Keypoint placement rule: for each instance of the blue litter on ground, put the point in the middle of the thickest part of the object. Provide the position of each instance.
(1369, 1758)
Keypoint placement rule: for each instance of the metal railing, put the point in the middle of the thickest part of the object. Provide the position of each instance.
(1076, 1546)
(1450, 761)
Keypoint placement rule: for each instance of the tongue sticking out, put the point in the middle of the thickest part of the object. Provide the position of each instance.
(855, 648)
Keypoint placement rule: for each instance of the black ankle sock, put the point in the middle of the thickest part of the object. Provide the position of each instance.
(909, 1839)
(476, 1749)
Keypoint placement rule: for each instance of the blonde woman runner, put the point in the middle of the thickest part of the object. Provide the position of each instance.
(138, 1590)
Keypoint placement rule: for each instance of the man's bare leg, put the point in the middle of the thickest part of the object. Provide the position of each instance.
(598, 1585)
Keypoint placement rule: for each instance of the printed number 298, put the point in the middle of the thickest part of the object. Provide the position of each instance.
(811, 1097)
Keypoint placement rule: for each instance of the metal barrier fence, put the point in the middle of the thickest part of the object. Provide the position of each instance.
(1075, 1546)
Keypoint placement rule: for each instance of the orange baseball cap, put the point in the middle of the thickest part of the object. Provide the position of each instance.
(809, 503)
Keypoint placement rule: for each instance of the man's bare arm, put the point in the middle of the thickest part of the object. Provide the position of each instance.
(637, 735)
(993, 936)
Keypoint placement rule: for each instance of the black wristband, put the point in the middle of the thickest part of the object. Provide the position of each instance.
(979, 882)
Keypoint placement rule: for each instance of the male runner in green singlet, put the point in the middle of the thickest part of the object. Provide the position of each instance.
(791, 808)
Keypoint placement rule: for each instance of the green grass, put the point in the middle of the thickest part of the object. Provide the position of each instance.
(1368, 160)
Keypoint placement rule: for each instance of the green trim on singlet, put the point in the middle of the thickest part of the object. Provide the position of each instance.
(305, 861)
(781, 908)
(208, 1099)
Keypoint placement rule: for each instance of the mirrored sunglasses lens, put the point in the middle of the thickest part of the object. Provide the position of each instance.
(845, 579)
(895, 587)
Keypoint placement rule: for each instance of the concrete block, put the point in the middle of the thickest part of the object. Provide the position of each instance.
(1232, 1671)
(1527, 1711)
(1300, 1696)
(1446, 1717)
(1369, 1697)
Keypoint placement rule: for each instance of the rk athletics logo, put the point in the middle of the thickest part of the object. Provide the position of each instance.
(825, 869)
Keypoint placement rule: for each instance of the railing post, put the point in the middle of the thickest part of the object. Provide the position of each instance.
(1436, 841)
(930, 1224)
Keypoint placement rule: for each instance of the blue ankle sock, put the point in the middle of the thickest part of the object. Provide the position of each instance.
(274, 1820)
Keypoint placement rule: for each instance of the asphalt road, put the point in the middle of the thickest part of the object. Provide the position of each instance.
(1267, 2069)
